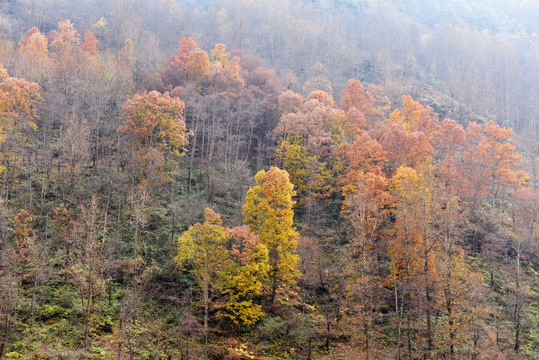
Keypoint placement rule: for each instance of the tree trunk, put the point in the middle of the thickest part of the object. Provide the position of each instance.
(409, 336)
(206, 312)
(397, 312)
(274, 288)
(328, 330)
(428, 299)
(427, 276)
(367, 349)
(192, 156)
(518, 306)
(451, 332)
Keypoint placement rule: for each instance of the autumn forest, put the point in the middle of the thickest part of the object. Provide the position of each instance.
(288, 179)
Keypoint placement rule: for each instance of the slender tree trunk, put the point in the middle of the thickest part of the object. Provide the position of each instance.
(206, 312)
(250, 138)
(86, 320)
(518, 306)
(136, 241)
(274, 288)
(426, 266)
(367, 347)
(33, 298)
(451, 332)
(428, 299)
(119, 352)
(129, 346)
(192, 156)
(397, 312)
(409, 335)
(328, 331)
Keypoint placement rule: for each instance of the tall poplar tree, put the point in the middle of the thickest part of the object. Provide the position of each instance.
(268, 212)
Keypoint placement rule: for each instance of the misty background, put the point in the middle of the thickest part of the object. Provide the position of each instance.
(469, 60)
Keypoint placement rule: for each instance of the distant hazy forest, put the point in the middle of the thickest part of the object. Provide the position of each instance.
(284, 179)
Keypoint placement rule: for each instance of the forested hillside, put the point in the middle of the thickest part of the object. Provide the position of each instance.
(269, 180)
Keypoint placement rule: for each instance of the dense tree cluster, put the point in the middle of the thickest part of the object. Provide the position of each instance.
(196, 204)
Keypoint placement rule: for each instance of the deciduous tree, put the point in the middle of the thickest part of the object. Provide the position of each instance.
(156, 135)
(202, 249)
(90, 43)
(18, 112)
(66, 38)
(364, 108)
(87, 268)
(268, 212)
(244, 276)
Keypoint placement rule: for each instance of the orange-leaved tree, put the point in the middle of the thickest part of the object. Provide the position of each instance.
(409, 135)
(405, 249)
(186, 47)
(459, 286)
(155, 133)
(90, 43)
(365, 206)
(18, 100)
(311, 128)
(65, 39)
(197, 65)
(34, 43)
(489, 163)
(364, 109)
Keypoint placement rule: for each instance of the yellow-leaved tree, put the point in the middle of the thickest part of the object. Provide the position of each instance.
(247, 269)
(202, 249)
(268, 212)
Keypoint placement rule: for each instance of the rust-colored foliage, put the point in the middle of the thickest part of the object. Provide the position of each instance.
(186, 47)
(90, 43)
(242, 241)
(18, 112)
(416, 118)
(451, 139)
(322, 96)
(364, 109)
(18, 99)
(404, 148)
(66, 38)
(24, 239)
(316, 121)
(290, 102)
(489, 162)
(364, 155)
(34, 43)
(155, 131)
